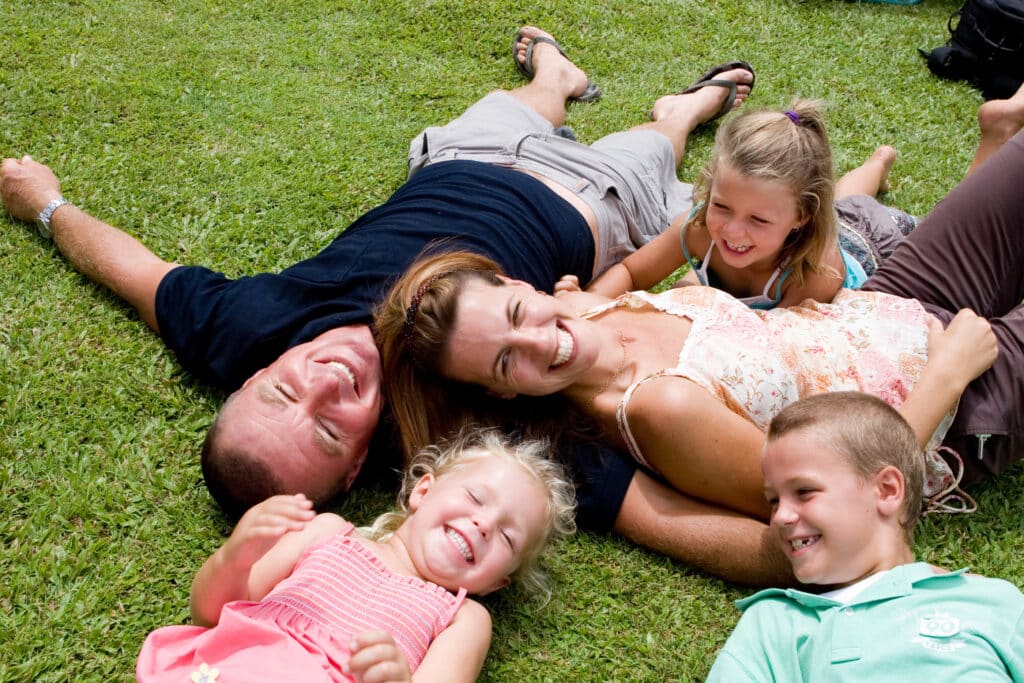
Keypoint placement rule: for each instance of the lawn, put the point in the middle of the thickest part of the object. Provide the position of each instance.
(244, 135)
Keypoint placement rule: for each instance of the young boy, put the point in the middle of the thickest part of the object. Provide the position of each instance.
(843, 475)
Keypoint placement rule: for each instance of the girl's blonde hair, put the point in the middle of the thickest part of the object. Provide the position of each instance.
(412, 326)
(471, 444)
(789, 147)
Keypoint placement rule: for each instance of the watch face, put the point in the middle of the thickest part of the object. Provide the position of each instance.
(44, 228)
(43, 221)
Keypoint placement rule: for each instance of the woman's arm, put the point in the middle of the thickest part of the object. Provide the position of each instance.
(646, 267)
(698, 445)
(710, 538)
(262, 550)
(956, 355)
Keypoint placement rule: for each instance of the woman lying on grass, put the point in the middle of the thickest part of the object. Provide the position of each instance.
(688, 380)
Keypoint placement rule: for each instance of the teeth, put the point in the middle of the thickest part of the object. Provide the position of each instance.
(565, 347)
(460, 543)
(741, 250)
(803, 542)
(345, 370)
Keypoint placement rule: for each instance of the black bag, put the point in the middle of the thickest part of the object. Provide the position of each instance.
(986, 48)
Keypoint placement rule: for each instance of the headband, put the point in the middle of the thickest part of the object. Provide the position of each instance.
(410, 313)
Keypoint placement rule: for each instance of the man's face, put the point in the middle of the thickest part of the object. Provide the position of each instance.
(310, 414)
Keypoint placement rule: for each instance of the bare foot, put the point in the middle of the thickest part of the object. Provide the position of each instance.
(885, 157)
(869, 178)
(550, 67)
(999, 120)
(699, 106)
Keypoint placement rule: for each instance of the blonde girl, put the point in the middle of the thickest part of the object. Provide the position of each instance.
(293, 595)
(771, 226)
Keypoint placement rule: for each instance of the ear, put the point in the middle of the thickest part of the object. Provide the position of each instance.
(253, 378)
(802, 220)
(512, 281)
(890, 487)
(507, 395)
(419, 491)
(496, 586)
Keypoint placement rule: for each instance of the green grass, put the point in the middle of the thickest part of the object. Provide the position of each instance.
(244, 136)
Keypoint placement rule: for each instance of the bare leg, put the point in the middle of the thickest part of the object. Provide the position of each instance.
(998, 121)
(676, 116)
(555, 78)
(869, 178)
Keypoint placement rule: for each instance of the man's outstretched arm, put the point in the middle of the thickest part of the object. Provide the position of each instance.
(721, 542)
(99, 251)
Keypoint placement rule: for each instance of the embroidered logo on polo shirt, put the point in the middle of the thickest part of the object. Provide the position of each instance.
(939, 632)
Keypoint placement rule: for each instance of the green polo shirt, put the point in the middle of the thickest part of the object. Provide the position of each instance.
(910, 623)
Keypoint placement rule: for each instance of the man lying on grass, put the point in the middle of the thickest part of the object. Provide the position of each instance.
(295, 346)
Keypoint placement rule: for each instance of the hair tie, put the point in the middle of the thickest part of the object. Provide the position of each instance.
(793, 116)
(410, 313)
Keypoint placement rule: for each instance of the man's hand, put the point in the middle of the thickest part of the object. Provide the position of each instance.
(377, 659)
(26, 187)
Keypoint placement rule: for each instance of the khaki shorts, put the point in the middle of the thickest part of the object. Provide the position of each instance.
(627, 179)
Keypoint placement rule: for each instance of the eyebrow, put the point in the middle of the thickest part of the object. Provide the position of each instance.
(265, 392)
(496, 367)
(328, 447)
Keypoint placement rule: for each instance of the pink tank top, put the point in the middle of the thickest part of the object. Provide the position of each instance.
(344, 587)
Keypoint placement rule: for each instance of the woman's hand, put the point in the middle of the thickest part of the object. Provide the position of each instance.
(263, 525)
(377, 659)
(567, 283)
(964, 349)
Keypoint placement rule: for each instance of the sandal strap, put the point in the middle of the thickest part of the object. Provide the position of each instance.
(951, 499)
(526, 66)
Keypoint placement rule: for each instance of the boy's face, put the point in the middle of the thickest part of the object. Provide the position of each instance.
(824, 514)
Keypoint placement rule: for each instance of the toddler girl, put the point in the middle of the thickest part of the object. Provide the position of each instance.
(771, 226)
(293, 595)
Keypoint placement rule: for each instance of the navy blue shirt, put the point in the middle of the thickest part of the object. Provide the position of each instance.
(223, 330)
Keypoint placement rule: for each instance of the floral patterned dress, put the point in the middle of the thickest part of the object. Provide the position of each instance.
(757, 362)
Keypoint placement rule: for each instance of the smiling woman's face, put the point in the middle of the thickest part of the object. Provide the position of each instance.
(513, 339)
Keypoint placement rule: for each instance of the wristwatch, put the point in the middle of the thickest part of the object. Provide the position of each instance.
(43, 221)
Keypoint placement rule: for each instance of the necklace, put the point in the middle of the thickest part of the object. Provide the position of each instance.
(615, 376)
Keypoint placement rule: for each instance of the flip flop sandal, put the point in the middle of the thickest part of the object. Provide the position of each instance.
(708, 78)
(525, 67)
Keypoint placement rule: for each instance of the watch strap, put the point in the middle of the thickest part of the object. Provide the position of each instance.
(43, 221)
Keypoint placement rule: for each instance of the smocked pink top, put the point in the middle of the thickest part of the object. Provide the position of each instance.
(301, 629)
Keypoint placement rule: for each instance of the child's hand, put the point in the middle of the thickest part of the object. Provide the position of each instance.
(965, 349)
(377, 659)
(263, 525)
(567, 283)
